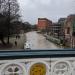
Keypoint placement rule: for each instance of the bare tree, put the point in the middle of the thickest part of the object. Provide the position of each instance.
(9, 9)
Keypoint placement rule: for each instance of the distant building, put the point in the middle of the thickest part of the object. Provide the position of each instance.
(55, 29)
(69, 29)
(61, 28)
(44, 24)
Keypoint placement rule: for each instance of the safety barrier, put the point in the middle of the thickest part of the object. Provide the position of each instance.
(37, 62)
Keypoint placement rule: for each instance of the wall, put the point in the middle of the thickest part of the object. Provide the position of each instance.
(44, 24)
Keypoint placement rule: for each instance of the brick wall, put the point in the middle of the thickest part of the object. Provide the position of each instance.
(43, 23)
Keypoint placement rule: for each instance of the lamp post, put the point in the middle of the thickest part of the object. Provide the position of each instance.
(8, 20)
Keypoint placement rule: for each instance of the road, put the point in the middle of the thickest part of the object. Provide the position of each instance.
(38, 41)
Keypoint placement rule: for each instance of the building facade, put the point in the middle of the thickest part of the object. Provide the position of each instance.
(55, 30)
(69, 29)
(44, 24)
(61, 29)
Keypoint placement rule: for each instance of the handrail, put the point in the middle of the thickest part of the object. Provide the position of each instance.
(37, 53)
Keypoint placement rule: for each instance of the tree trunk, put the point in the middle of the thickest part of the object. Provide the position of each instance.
(2, 39)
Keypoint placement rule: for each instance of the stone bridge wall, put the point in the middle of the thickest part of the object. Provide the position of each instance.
(38, 66)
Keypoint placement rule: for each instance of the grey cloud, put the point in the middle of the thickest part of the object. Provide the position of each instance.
(51, 9)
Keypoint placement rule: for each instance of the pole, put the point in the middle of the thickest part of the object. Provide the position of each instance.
(50, 66)
(8, 20)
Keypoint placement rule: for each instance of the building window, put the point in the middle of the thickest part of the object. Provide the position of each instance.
(68, 30)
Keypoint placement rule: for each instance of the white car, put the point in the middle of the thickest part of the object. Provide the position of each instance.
(26, 45)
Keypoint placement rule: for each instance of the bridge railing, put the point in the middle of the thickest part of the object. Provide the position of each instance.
(37, 62)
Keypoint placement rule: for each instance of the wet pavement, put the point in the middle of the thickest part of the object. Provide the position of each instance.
(38, 41)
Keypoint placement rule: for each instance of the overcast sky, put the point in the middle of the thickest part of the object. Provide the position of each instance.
(31, 10)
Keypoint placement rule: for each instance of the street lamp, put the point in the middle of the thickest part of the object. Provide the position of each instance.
(8, 20)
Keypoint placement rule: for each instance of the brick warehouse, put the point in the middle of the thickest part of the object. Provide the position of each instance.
(44, 24)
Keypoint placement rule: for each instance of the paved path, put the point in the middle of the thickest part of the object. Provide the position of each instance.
(20, 43)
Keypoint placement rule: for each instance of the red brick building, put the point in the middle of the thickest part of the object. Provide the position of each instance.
(44, 24)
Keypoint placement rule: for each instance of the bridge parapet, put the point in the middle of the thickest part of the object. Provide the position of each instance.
(37, 62)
